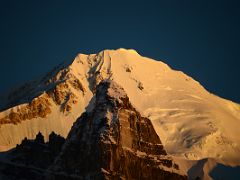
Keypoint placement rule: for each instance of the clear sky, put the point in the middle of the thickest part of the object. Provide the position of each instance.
(199, 37)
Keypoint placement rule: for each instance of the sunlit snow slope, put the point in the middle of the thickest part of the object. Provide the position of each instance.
(191, 122)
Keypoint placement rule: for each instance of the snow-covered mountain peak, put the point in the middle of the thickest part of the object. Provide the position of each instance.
(178, 106)
(132, 51)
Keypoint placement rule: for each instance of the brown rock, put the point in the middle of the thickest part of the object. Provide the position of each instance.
(38, 107)
(113, 142)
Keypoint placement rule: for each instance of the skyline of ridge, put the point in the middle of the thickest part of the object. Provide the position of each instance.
(198, 38)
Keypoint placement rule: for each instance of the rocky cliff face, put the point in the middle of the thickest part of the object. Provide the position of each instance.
(113, 141)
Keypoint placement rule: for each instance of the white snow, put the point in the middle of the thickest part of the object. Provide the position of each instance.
(191, 122)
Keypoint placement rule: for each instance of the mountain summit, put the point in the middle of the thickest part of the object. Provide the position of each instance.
(192, 123)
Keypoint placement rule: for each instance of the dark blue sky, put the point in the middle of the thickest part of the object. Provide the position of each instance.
(199, 37)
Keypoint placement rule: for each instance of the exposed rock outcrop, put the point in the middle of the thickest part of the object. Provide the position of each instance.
(61, 94)
(113, 142)
(38, 107)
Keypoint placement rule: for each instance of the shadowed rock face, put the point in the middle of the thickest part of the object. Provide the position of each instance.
(31, 158)
(113, 141)
(36, 152)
